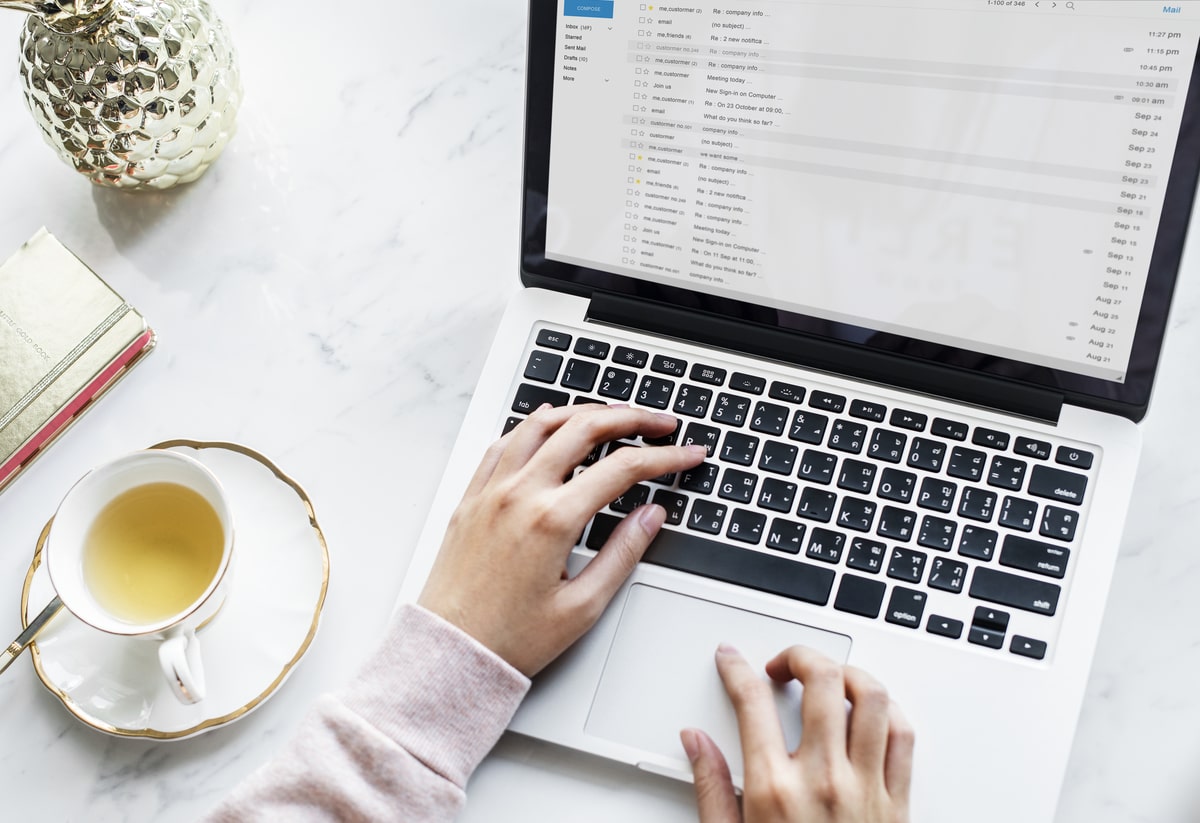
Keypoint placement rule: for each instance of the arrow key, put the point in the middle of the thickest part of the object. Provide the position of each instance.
(944, 626)
(1028, 647)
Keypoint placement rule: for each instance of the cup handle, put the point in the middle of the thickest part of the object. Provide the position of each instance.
(179, 656)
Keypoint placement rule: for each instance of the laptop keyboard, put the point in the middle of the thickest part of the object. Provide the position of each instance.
(886, 512)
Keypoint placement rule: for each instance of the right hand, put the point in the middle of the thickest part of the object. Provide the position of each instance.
(848, 768)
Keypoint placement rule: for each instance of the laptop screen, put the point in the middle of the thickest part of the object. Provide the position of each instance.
(998, 185)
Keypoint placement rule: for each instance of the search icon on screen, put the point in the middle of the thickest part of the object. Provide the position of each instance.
(1071, 5)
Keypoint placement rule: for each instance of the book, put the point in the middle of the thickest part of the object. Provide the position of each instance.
(65, 338)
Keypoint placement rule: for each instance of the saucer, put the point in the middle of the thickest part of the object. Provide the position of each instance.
(269, 618)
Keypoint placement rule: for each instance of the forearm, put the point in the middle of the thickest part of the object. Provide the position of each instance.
(400, 742)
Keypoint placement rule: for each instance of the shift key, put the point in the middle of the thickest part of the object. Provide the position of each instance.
(1056, 484)
(1013, 590)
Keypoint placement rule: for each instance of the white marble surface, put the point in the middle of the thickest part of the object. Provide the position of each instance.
(326, 294)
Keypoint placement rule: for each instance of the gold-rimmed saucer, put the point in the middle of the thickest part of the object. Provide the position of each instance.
(268, 621)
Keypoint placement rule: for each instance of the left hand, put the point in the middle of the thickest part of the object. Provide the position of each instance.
(501, 576)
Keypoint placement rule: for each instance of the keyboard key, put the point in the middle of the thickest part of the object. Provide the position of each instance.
(897, 485)
(977, 542)
(864, 410)
(977, 504)
(731, 409)
(668, 365)
(825, 545)
(866, 555)
(666, 439)
(988, 628)
(587, 347)
(1078, 458)
(1027, 447)
(857, 476)
(580, 374)
(846, 436)
(951, 429)
(817, 467)
(887, 445)
(748, 383)
(699, 434)
(907, 565)
(777, 495)
(739, 448)
(511, 423)
(898, 524)
(707, 516)
(825, 401)
(926, 454)
(1055, 484)
(543, 366)
(701, 479)
(746, 526)
(692, 401)
(1016, 591)
(631, 499)
(937, 533)
(1028, 647)
(808, 427)
(674, 503)
(708, 374)
(906, 607)
(777, 457)
(1058, 523)
(904, 419)
(860, 595)
(966, 464)
(737, 486)
(816, 504)
(1018, 513)
(1034, 556)
(529, 398)
(787, 392)
(617, 384)
(948, 575)
(552, 339)
(857, 514)
(990, 438)
(937, 494)
(1007, 473)
(654, 392)
(785, 535)
(769, 418)
(633, 358)
(944, 626)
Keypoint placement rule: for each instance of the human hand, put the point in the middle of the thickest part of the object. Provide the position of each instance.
(501, 573)
(848, 768)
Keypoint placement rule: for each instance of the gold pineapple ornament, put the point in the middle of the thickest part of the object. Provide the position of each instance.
(135, 94)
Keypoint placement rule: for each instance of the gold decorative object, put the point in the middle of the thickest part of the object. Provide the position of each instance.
(135, 94)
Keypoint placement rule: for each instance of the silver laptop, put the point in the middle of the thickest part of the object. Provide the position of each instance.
(905, 269)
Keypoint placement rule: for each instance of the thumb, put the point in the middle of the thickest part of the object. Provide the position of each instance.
(621, 553)
(710, 773)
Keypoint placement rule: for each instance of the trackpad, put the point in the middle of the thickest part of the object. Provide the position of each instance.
(660, 675)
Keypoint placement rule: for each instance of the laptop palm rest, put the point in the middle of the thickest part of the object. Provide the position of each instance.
(660, 675)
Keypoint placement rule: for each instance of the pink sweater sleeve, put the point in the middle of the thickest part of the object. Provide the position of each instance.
(399, 742)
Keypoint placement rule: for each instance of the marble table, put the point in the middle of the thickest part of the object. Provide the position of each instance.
(326, 295)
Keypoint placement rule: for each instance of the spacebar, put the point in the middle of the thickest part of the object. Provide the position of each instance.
(687, 552)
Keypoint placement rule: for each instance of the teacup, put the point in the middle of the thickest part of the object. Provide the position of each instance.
(141, 547)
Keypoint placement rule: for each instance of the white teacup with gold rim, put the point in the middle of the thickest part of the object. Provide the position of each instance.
(141, 547)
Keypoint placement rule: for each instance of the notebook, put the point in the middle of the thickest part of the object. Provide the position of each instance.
(905, 268)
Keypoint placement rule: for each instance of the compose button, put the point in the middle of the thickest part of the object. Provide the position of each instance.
(588, 8)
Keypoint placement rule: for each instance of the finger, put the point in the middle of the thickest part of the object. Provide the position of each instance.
(589, 426)
(823, 704)
(487, 466)
(533, 432)
(897, 772)
(869, 721)
(594, 587)
(606, 480)
(715, 798)
(758, 722)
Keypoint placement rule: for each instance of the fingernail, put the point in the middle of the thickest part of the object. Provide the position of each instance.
(696, 448)
(544, 406)
(651, 518)
(691, 744)
(725, 648)
(666, 418)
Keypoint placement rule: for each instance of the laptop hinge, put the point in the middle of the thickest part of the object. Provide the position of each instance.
(757, 340)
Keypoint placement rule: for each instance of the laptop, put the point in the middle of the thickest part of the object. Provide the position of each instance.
(905, 268)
